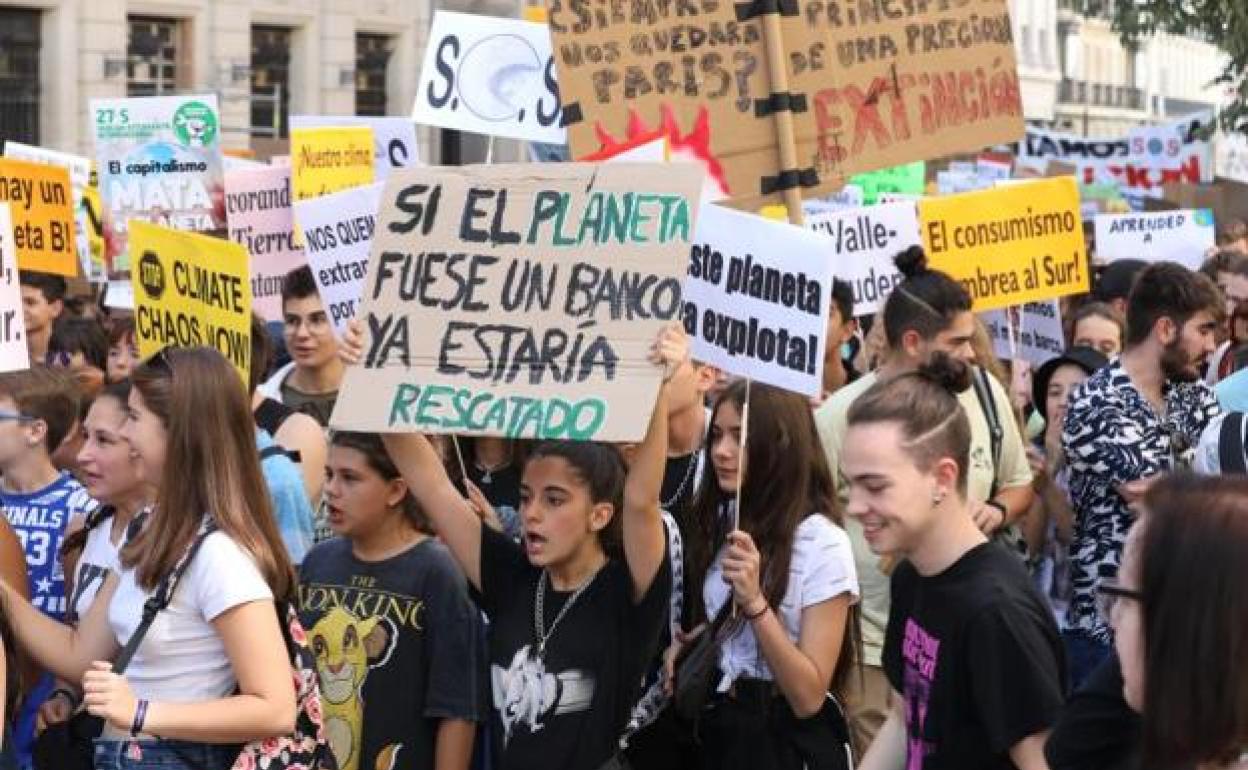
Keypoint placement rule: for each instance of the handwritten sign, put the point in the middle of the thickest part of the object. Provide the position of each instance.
(190, 290)
(160, 161)
(258, 208)
(394, 139)
(1184, 236)
(1009, 245)
(862, 243)
(520, 300)
(79, 169)
(338, 234)
(489, 76)
(41, 205)
(756, 298)
(326, 160)
(1031, 332)
(13, 352)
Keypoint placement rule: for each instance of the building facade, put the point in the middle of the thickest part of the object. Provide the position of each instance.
(1035, 47)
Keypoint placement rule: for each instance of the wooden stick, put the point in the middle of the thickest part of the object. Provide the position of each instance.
(459, 454)
(778, 77)
(745, 432)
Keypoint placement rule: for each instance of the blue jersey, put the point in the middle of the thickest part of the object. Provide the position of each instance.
(39, 518)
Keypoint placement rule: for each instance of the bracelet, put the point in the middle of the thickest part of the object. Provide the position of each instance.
(760, 613)
(1000, 507)
(140, 716)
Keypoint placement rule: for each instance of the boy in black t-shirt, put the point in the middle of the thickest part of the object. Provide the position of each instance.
(971, 650)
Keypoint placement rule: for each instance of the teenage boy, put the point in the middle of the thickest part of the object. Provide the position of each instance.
(838, 369)
(1128, 423)
(310, 382)
(43, 302)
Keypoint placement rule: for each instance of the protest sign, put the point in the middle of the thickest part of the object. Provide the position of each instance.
(756, 298)
(14, 354)
(1142, 162)
(867, 88)
(1184, 236)
(326, 160)
(338, 235)
(394, 139)
(1009, 245)
(41, 208)
(92, 219)
(520, 300)
(257, 207)
(490, 76)
(190, 290)
(862, 243)
(1031, 332)
(79, 169)
(160, 161)
(908, 178)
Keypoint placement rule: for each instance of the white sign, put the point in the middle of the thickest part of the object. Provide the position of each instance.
(1184, 236)
(862, 245)
(1032, 332)
(79, 177)
(1231, 157)
(394, 139)
(13, 352)
(338, 235)
(490, 76)
(756, 298)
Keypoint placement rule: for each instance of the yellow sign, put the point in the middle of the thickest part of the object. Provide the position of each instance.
(1009, 245)
(190, 290)
(328, 160)
(42, 203)
(95, 229)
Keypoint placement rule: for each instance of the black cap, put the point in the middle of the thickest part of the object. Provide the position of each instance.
(1117, 279)
(1087, 359)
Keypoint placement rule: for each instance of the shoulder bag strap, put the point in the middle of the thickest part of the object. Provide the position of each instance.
(1231, 444)
(996, 434)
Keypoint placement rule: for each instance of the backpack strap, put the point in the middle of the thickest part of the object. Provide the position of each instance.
(1231, 444)
(160, 598)
(988, 403)
(279, 451)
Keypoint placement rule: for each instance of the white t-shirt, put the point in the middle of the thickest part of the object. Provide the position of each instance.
(822, 568)
(100, 556)
(182, 659)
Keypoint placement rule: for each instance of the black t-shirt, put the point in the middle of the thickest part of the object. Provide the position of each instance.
(568, 711)
(399, 646)
(976, 655)
(1097, 730)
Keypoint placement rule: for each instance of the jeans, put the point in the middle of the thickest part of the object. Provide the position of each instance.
(111, 754)
(1083, 655)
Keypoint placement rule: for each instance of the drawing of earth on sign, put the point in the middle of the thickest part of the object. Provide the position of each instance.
(498, 76)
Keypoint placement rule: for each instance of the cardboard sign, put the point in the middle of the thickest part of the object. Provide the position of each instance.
(338, 236)
(908, 179)
(862, 243)
(876, 88)
(326, 160)
(1142, 162)
(521, 300)
(191, 290)
(1184, 236)
(394, 139)
(160, 161)
(14, 354)
(1009, 245)
(1032, 332)
(257, 206)
(756, 299)
(490, 76)
(41, 206)
(79, 169)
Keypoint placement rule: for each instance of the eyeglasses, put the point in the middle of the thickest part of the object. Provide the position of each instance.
(16, 417)
(1109, 594)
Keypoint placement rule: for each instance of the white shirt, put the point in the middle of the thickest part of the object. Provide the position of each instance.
(182, 659)
(100, 556)
(822, 568)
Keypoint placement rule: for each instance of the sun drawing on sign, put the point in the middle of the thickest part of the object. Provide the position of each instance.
(693, 147)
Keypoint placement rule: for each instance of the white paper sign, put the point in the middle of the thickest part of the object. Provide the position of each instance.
(13, 352)
(1037, 332)
(79, 177)
(338, 235)
(862, 245)
(489, 76)
(394, 139)
(1183, 236)
(756, 298)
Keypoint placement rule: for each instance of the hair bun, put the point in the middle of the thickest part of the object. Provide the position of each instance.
(947, 372)
(912, 261)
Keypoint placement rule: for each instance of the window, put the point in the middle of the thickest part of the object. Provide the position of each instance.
(1045, 59)
(372, 54)
(153, 56)
(270, 81)
(19, 75)
(1025, 37)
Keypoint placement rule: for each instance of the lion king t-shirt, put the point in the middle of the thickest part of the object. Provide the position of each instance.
(399, 646)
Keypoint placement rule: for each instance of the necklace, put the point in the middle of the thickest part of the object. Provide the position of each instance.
(690, 471)
(488, 471)
(539, 609)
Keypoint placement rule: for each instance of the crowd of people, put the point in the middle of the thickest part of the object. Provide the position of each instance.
(946, 562)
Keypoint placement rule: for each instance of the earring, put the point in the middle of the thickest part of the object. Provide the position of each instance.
(938, 497)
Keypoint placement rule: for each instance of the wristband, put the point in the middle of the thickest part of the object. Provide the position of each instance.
(1000, 507)
(140, 715)
(760, 613)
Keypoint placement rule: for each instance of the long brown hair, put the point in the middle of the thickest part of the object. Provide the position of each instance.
(211, 468)
(786, 479)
